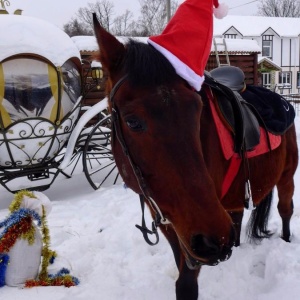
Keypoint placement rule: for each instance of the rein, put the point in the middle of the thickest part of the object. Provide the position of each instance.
(159, 218)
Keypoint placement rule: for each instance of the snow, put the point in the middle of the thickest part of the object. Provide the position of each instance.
(250, 26)
(94, 235)
(27, 35)
(89, 43)
(236, 45)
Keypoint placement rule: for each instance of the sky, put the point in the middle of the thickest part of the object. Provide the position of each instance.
(60, 12)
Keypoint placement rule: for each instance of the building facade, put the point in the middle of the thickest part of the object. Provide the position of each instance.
(278, 38)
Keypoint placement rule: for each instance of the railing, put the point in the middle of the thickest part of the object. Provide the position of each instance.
(294, 99)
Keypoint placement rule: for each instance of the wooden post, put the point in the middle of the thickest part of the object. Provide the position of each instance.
(168, 6)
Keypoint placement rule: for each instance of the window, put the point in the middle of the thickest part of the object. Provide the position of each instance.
(266, 80)
(298, 79)
(267, 46)
(230, 36)
(285, 79)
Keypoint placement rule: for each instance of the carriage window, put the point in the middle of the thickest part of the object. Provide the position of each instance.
(285, 80)
(26, 88)
(71, 85)
(29, 88)
(267, 46)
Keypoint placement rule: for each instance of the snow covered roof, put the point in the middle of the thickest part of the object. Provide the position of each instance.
(255, 26)
(267, 62)
(89, 44)
(27, 35)
(236, 46)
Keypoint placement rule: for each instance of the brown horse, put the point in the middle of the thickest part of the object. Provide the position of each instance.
(167, 150)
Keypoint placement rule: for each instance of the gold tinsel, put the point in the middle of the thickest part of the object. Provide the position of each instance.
(16, 203)
(46, 252)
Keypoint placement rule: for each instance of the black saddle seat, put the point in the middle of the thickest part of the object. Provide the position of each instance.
(230, 76)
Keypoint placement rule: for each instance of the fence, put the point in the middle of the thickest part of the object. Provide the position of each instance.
(294, 99)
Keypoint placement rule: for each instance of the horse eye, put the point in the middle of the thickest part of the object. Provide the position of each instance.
(135, 124)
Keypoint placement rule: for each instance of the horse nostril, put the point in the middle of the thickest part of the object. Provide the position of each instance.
(204, 247)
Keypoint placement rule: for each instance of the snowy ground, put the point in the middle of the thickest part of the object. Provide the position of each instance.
(94, 235)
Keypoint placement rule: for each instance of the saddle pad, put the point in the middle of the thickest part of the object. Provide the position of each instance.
(277, 113)
(227, 145)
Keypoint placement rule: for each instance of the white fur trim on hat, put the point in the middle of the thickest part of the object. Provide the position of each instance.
(181, 68)
(221, 11)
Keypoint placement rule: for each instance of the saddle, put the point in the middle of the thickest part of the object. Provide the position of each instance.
(226, 83)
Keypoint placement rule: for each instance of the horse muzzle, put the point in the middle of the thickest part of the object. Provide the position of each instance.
(207, 251)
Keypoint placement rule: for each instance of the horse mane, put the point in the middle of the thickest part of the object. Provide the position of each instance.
(147, 67)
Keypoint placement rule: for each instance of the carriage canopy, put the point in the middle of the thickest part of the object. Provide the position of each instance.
(39, 70)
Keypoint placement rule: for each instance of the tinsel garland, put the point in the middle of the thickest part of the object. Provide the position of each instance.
(62, 277)
(46, 252)
(45, 279)
(20, 225)
(13, 233)
(19, 197)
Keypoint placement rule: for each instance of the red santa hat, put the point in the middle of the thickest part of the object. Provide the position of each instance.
(186, 40)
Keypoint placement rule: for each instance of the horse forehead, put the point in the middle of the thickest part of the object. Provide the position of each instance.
(166, 93)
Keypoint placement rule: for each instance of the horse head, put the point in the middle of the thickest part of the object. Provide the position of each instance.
(159, 122)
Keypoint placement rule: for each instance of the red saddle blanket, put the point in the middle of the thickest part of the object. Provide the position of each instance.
(227, 145)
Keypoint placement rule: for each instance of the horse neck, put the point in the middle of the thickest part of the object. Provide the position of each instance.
(211, 148)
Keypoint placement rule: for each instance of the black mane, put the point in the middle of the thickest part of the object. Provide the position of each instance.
(146, 66)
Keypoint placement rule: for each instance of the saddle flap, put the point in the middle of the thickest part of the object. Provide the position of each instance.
(238, 115)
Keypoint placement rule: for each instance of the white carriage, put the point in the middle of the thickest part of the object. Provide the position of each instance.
(40, 103)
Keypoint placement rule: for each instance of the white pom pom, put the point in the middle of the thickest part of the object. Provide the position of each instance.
(221, 11)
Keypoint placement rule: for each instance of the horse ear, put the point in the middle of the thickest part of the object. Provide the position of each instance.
(111, 50)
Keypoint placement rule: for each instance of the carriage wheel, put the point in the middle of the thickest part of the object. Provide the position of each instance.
(98, 161)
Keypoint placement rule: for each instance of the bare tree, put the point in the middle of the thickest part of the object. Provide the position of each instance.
(279, 8)
(154, 16)
(104, 10)
(152, 21)
(123, 24)
(74, 27)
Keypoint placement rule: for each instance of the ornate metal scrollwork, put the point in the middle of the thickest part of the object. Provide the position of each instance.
(34, 141)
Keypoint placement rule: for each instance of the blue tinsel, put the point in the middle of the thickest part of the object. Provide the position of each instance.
(16, 217)
(63, 272)
(4, 259)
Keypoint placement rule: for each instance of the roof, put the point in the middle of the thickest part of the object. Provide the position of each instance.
(236, 46)
(27, 35)
(89, 44)
(251, 26)
(266, 62)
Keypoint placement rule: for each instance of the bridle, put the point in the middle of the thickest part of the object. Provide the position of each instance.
(117, 130)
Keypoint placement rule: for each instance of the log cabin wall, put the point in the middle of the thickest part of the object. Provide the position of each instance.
(246, 62)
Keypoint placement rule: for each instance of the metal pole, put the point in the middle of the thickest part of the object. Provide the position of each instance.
(168, 10)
